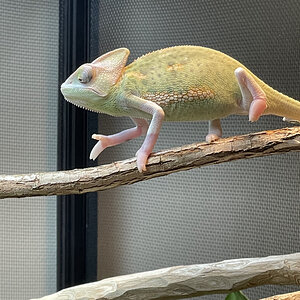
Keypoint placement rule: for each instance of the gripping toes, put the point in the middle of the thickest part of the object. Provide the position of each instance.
(100, 146)
(141, 160)
(214, 131)
(145, 151)
(211, 137)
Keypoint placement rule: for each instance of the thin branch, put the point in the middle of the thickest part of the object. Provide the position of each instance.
(289, 296)
(162, 163)
(190, 281)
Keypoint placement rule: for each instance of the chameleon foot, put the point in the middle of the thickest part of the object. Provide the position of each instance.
(254, 98)
(257, 108)
(100, 146)
(118, 138)
(141, 160)
(211, 137)
(214, 130)
(145, 151)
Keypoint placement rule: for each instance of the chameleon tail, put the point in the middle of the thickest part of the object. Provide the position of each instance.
(281, 105)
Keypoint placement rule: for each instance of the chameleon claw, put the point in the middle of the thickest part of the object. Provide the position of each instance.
(141, 167)
(97, 137)
(214, 131)
(257, 108)
(98, 148)
(211, 137)
(141, 160)
(103, 142)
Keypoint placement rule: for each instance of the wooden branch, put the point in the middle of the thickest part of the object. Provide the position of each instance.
(162, 163)
(190, 281)
(289, 296)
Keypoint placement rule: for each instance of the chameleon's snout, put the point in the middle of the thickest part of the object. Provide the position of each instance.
(65, 86)
(70, 81)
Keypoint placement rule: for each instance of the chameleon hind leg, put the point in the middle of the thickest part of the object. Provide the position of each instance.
(253, 97)
(214, 130)
(105, 141)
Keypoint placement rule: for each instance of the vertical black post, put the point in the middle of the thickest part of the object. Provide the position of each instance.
(73, 134)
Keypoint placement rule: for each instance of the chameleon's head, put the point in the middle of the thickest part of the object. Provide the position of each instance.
(92, 82)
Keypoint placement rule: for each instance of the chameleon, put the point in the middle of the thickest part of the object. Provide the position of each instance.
(180, 83)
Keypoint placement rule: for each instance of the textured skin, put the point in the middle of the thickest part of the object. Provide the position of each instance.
(183, 83)
(187, 82)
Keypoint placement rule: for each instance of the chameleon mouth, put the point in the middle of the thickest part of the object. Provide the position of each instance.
(80, 106)
(71, 97)
(97, 92)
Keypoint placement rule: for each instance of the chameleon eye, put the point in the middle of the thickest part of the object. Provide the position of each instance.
(85, 75)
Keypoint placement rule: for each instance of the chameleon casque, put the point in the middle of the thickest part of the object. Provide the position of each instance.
(181, 83)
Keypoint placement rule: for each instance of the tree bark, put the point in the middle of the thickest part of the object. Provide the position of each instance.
(190, 281)
(159, 164)
(289, 296)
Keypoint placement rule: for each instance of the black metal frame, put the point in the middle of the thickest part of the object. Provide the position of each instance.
(76, 214)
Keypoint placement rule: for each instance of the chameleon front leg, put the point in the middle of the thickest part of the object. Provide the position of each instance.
(254, 98)
(214, 130)
(118, 138)
(158, 114)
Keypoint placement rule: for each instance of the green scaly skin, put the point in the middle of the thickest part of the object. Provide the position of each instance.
(180, 70)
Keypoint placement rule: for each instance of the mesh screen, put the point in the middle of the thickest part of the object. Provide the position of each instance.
(242, 209)
(28, 130)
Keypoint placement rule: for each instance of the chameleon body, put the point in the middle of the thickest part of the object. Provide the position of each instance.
(182, 83)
